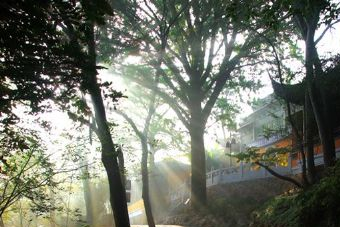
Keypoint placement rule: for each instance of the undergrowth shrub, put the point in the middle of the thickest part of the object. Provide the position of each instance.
(318, 206)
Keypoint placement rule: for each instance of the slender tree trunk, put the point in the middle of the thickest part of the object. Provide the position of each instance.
(108, 150)
(299, 139)
(143, 136)
(151, 160)
(145, 152)
(1, 222)
(145, 180)
(121, 164)
(303, 160)
(52, 211)
(87, 195)
(21, 216)
(308, 139)
(86, 186)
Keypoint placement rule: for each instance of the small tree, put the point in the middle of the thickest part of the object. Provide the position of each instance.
(26, 172)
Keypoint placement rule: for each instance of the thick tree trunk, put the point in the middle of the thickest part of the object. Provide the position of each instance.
(330, 154)
(308, 139)
(145, 180)
(198, 174)
(108, 150)
(324, 129)
(196, 130)
(117, 191)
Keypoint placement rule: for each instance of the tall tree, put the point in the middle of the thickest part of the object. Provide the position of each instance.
(308, 16)
(203, 50)
(109, 150)
(56, 59)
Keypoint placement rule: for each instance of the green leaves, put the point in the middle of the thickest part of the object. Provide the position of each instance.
(25, 174)
(304, 208)
(270, 156)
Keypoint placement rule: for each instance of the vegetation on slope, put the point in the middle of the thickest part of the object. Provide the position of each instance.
(317, 206)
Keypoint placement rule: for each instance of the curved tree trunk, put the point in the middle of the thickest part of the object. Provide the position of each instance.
(143, 136)
(108, 149)
(109, 159)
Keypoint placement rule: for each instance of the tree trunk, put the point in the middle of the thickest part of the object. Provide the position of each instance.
(308, 139)
(198, 175)
(1, 222)
(108, 150)
(145, 180)
(121, 164)
(329, 152)
(324, 129)
(301, 149)
(87, 195)
(52, 218)
(143, 136)
(86, 185)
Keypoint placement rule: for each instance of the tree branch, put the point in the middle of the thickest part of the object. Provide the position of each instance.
(282, 177)
(324, 31)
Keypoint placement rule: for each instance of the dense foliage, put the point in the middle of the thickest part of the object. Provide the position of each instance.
(317, 206)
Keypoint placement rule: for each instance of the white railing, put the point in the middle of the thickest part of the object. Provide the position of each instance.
(241, 173)
(244, 172)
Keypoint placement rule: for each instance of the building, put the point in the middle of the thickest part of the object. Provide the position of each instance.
(268, 127)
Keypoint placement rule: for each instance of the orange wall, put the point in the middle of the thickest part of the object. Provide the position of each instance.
(317, 150)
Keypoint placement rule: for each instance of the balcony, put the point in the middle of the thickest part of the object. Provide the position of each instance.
(265, 141)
